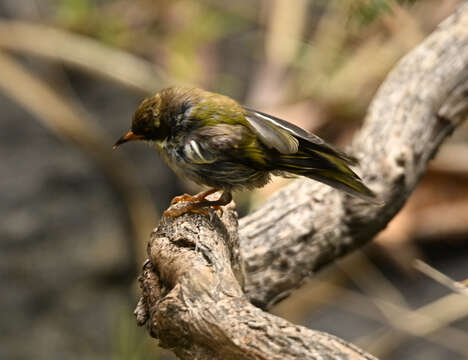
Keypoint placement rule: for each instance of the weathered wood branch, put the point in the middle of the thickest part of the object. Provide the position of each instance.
(193, 300)
(307, 225)
(203, 275)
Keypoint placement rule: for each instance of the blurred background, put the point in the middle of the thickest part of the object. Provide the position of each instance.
(75, 216)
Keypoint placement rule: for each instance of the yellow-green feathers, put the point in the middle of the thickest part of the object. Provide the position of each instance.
(212, 140)
(308, 155)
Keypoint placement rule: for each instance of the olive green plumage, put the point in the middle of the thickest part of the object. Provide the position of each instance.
(212, 140)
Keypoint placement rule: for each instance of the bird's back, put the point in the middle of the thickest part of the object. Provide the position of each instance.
(217, 142)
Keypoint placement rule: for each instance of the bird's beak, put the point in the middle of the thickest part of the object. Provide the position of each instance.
(127, 137)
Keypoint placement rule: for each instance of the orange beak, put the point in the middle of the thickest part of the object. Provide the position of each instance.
(130, 136)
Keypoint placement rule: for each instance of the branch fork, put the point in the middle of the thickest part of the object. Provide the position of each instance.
(209, 277)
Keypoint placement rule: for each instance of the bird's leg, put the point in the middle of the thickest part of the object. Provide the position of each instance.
(197, 207)
(193, 198)
(224, 199)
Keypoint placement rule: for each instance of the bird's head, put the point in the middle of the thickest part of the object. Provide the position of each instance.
(147, 123)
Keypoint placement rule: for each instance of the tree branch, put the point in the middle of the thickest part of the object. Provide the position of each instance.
(307, 225)
(193, 301)
(203, 275)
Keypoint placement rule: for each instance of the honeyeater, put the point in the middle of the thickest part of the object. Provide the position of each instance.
(212, 140)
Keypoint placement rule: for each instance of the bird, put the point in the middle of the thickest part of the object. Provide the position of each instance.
(214, 141)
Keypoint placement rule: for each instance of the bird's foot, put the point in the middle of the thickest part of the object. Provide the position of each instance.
(198, 204)
(173, 213)
(218, 208)
(189, 208)
(193, 198)
(183, 198)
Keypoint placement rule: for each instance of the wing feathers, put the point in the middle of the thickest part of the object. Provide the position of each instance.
(310, 156)
(197, 154)
(273, 136)
(291, 128)
(309, 140)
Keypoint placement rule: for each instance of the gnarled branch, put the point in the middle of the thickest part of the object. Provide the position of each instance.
(203, 275)
(193, 301)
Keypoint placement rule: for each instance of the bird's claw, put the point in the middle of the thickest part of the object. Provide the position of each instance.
(218, 208)
(175, 212)
(196, 204)
(183, 198)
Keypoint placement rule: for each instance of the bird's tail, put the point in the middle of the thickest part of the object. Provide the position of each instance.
(327, 165)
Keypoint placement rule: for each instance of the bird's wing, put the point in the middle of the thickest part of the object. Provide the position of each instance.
(291, 128)
(230, 142)
(271, 133)
(286, 137)
(196, 152)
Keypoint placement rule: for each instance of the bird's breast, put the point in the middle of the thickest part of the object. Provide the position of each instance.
(219, 173)
(173, 156)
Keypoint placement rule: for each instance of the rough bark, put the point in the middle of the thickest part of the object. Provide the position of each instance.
(204, 274)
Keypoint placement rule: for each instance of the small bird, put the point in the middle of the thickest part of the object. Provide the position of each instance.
(212, 140)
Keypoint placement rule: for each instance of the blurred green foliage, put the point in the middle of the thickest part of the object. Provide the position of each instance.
(86, 17)
(207, 42)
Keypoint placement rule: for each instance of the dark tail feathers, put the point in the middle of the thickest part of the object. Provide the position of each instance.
(329, 167)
